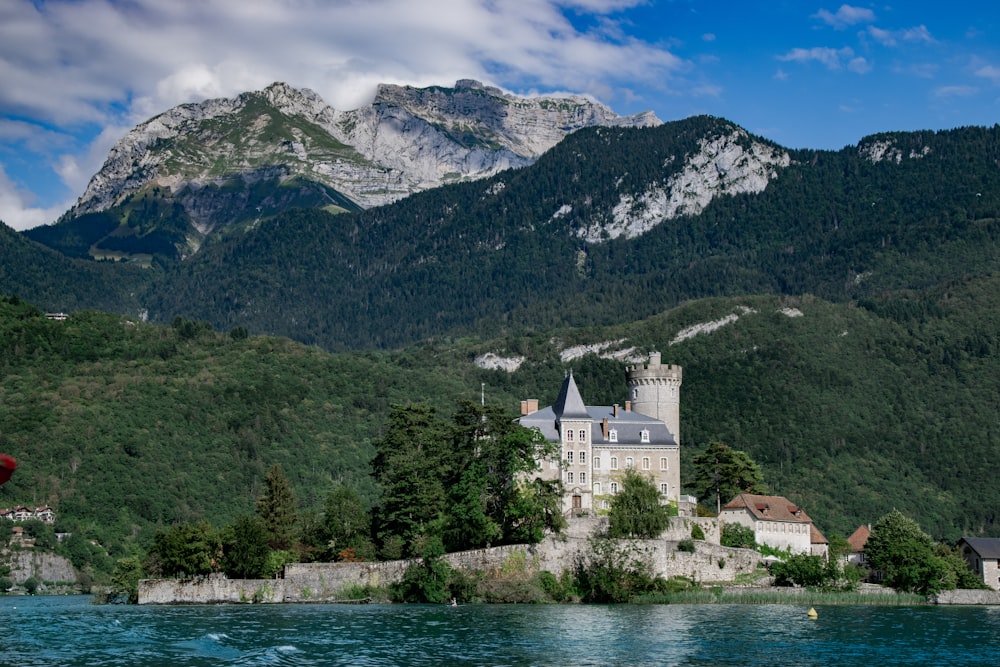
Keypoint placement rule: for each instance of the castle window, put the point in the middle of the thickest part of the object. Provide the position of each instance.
(583, 458)
(613, 435)
(614, 488)
(663, 463)
(569, 435)
(635, 394)
(597, 488)
(583, 436)
(569, 457)
(614, 463)
(583, 478)
(604, 504)
(629, 463)
(644, 436)
(569, 478)
(664, 488)
(645, 463)
(597, 463)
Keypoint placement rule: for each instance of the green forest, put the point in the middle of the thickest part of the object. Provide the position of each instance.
(851, 410)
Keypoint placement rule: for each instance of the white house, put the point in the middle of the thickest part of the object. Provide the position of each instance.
(774, 520)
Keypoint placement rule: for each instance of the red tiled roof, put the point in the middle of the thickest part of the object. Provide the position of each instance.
(769, 508)
(816, 537)
(858, 538)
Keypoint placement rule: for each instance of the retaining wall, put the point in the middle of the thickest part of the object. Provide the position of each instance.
(328, 582)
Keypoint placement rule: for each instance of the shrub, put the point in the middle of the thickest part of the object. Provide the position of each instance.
(696, 532)
(738, 536)
(686, 545)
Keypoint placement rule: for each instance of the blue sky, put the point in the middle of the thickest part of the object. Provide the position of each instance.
(75, 75)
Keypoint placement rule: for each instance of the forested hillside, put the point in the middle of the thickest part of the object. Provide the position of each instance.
(852, 409)
(900, 211)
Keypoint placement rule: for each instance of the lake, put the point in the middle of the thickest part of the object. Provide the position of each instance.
(71, 631)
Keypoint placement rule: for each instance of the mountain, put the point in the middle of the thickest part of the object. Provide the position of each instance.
(181, 176)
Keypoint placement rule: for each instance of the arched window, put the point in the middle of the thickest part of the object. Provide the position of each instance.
(583, 435)
(569, 435)
(663, 463)
(613, 435)
(614, 463)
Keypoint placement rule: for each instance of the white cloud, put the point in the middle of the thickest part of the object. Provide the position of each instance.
(846, 16)
(891, 38)
(82, 65)
(990, 72)
(17, 209)
(830, 58)
(955, 91)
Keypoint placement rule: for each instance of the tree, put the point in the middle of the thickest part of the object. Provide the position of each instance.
(30, 585)
(905, 555)
(636, 510)
(412, 466)
(277, 509)
(186, 549)
(124, 585)
(347, 524)
(245, 549)
(723, 472)
(493, 500)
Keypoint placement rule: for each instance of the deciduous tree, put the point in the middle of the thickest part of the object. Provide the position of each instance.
(722, 472)
(636, 510)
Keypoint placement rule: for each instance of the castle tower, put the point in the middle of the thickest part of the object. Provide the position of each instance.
(655, 391)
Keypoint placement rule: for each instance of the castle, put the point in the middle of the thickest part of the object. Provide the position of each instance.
(599, 443)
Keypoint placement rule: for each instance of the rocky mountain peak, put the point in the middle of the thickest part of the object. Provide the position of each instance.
(407, 140)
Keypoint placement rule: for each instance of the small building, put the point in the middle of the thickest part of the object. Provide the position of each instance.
(774, 520)
(856, 542)
(982, 554)
(819, 545)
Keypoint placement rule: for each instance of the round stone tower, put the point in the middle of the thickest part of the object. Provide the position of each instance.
(655, 391)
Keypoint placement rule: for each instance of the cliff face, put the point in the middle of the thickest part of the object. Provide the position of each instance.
(41, 566)
(407, 140)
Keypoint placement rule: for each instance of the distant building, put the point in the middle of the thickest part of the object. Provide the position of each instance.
(44, 513)
(599, 443)
(775, 521)
(982, 554)
(857, 541)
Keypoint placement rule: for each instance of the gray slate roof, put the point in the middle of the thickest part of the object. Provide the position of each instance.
(629, 424)
(986, 547)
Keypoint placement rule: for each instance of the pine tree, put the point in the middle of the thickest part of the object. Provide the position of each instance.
(277, 509)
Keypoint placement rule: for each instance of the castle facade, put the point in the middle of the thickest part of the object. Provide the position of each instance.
(598, 444)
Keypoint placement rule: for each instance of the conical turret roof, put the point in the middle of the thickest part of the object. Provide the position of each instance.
(570, 404)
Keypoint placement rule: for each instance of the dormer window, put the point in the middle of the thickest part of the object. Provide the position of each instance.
(644, 436)
(613, 435)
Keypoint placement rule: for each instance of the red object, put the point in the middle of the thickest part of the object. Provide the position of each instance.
(7, 467)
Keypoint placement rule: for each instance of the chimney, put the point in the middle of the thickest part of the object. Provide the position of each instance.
(615, 410)
(604, 428)
(628, 406)
(529, 406)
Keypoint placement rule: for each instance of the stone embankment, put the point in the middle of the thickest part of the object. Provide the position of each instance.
(967, 597)
(329, 582)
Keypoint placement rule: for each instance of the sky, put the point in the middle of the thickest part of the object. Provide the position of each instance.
(76, 75)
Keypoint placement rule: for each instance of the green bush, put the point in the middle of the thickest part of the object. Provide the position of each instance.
(686, 545)
(737, 536)
(696, 532)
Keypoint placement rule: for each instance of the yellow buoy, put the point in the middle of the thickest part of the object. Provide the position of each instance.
(812, 613)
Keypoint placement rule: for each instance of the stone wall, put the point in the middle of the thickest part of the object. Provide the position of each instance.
(330, 582)
(965, 597)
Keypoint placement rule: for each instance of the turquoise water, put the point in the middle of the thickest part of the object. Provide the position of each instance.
(71, 631)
